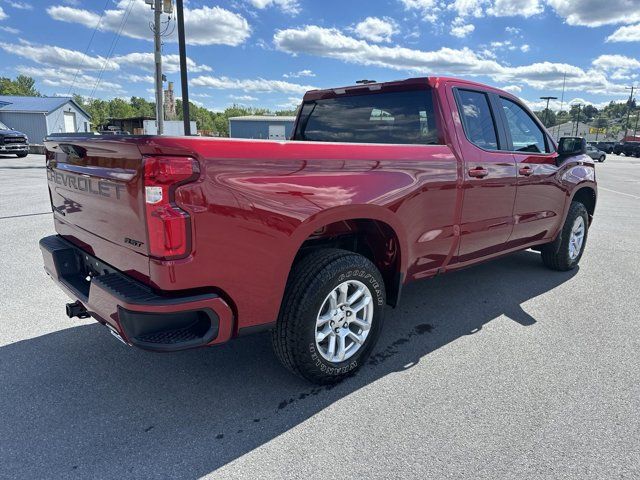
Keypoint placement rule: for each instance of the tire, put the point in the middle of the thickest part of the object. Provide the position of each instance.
(306, 300)
(559, 255)
(21, 155)
(601, 159)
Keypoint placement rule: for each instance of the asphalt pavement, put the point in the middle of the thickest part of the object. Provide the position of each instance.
(504, 370)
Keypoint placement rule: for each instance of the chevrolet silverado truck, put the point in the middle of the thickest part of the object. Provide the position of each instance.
(12, 141)
(177, 243)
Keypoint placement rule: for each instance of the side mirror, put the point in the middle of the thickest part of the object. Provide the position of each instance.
(570, 146)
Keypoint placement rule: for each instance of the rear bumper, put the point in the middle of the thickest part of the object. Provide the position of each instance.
(143, 318)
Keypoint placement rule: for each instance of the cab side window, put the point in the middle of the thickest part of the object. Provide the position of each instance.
(526, 135)
(477, 119)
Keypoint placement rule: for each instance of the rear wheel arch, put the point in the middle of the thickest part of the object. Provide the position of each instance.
(373, 238)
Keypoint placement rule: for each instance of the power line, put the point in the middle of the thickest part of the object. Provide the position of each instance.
(114, 43)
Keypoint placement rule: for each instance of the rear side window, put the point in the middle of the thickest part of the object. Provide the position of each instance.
(526, 135)
(394, 117)
(477, 119)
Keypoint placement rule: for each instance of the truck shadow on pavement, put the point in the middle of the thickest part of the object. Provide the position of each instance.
(76, 403)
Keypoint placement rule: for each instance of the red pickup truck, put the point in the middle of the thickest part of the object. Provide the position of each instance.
(176, 243)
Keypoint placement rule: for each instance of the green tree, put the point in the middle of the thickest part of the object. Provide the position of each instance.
(562, 117)
(547, 117)
(22, 85)
(142, 107)
(119, 108)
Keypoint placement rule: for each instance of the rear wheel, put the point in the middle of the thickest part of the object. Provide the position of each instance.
(601, 159)
(331, 315)
(565, 253)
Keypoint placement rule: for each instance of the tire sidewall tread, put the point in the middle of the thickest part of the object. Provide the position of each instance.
(311, 280)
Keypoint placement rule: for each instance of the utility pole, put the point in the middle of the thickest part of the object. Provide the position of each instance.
(564, 82)
(635, 129)
(546, 110)
(626, 124)
(183, 68)
(157, 52)
(579, 105)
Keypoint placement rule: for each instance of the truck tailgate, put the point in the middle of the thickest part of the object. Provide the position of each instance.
(96, 191)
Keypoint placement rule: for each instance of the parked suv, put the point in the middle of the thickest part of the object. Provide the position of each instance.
(630, 149)
(606, 147)
(596, 154)
(12, 141)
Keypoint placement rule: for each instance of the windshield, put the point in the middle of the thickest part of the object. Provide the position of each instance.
(3, 126)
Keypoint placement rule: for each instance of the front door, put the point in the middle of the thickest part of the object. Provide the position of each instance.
(490, 177)
(540, 199)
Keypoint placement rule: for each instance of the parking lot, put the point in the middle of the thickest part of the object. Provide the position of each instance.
(502, 370)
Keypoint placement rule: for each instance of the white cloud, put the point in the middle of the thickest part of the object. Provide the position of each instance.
(206, 25)
(140, 78)
(556, 105)
(460, 29)
(525, 48)
(58, 57)
(616, 62)
(299, 74)
(250, 85)
(468, 8)
(332, 43)
(291, 7)
(626, 34)
(59, 77)
(19, 5)
(595, 13)
(512, 88)
(170, 62)
(428, 9)
(512, 8)
(376, 29)
(2, 14)
(13, 31)
(291, 104)
(244, 98)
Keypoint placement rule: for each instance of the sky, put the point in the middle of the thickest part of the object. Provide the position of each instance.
(267, 53)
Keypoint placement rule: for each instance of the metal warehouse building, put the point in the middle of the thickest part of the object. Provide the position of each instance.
(40, 116)
(261, 126)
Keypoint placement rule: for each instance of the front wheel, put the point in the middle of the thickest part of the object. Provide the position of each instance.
(21, 155)
(565, 253)
(601, 159)
(331, 315)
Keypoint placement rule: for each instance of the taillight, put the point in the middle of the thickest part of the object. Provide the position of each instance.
(169, 227)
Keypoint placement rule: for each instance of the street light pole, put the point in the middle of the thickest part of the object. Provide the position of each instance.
(183, 68)
(546, 110)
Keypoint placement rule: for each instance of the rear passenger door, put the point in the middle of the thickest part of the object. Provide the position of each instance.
(489, 177)
(540, 198)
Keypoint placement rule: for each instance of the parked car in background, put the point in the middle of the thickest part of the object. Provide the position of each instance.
(606, 147)
(630, 149)
(12, 141)
(596, 154)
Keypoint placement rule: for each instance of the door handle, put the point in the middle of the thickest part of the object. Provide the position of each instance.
(525, 171)
(478, 172)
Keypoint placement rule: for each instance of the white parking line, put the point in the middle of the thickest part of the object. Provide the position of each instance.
(621, 193)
